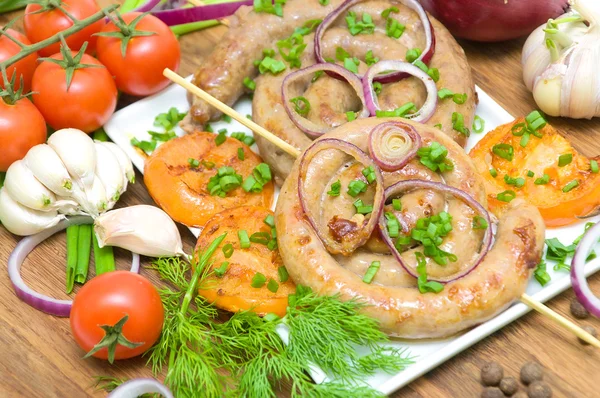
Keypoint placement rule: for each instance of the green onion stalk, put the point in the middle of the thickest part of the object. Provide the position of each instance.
(12, 5)
(184, 29)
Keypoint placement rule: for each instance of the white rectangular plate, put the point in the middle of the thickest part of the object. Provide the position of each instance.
(136, 119)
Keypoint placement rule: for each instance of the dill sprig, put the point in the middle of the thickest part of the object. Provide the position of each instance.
(245, 356)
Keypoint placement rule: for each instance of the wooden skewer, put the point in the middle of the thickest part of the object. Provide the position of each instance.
(561, 320)
(526, 299)
(199, 3)
(197, 91)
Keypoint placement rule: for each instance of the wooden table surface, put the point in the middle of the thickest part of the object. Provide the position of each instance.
(38, 357)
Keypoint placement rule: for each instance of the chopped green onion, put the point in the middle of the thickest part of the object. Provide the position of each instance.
(412, 55)
(540, 273)
(269, 220)
(249, 83)
(434, 73)
(370, 59)
(273, 286)
(301, 109)
(458, 123)
(351, 64)
(341, 54)
(355, 27)
(266, 6)
(220, 272)
(208, 128)
(369, 173)
(377, 87)
(517, 182)
(261, 238)
(530, 174)
(246, 139)
(221, 137)
(361, 208)
(335, 189)
(422, 283)
(350, 116)
(565, 159)
(505, 151)
(545, 179)
(479, 222)
(478, 124)
(493, 172)
(356, 187)
(258, 280)
(226, 118)
(146, 146)
(421, 65)
(393, 28)
(535, 120)
(398, 112)
(397, 204)
(228, 250)
(244, 239)
(594, 166)
(519, 129)
(438, 126)
(371, 272)
(386, 13)
(193, 162)
(317, 75)
(570, 186)
(506, 196)
(207, 164)
(393, 226)
(283, 274)
(240, 153)
(268, 64)
(324, 2)
(445, 93)
(435, 158)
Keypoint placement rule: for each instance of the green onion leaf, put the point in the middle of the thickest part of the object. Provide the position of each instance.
(371, 272)
(505, 151)
(220, 272)
(412, 55)
(570, 186)
(493, 172)
(458, 123)
(356, 187)
(565, 159)
(249, 83)
(545, 179)
(272, 286)
(244, 239)
(335, 189)
(478, 124)
(258, 280)
(506, 196)
(193, 162)
(228, 250)
(479, 222)
(594, 166)
(301, 105)
(283, 274)
(397, 204)
(370, 59)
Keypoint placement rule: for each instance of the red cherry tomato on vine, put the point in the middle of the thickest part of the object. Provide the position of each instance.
(47, 23)
(22, 126)
(86, 104)
(108, 299)
(24, 67)
(140, 71)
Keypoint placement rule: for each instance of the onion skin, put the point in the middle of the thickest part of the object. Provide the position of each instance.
(388, 163)
(580, 285)
(494, 20)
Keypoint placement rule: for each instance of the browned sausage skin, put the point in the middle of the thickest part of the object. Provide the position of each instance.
(394, 300)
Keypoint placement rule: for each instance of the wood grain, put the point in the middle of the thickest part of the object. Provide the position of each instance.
(38, 357)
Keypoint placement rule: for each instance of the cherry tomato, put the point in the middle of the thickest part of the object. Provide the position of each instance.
(106, 300)
(140, 71)
(22, 126)
(86, 104)
(24, 67)
(45, 24)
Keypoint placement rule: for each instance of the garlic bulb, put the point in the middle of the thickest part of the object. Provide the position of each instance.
(108, 170)
(142, 229)
(23, 221)
(78, 153)
(559, 62)
(124, 161)
(47, 167)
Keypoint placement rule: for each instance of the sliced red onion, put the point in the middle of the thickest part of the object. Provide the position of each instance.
(402, 186)
(24, 247)
(201, 13)
(346, 246)
(147, 6)
(312, 129)
(580, 285)
(394, 76)
(428, 108)
(136, 387)
(393, 144)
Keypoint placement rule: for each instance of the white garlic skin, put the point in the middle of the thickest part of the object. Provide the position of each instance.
(97, 201)
(78, 153)
(23, 187)
(109, 171)
(142, 229)
(124, 161)
(47, 167)
(23, 221)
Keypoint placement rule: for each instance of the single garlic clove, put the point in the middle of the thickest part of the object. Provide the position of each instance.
(97, 201)
(23, 221)
(77, 152)
(546, 93)
(47, 167)
(109, 171)
(23, 187)
(142, 229)
(124, 161)
(535, 58)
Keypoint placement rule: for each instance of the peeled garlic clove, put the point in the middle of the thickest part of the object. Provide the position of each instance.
(24, 221)
(142, 229)
(77, 152)
(97, 201)
(109, 171)
(547, 93)
(47, 167)
(124, 161)
(22, 186)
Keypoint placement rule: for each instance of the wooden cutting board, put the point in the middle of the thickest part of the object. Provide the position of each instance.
(39, 358)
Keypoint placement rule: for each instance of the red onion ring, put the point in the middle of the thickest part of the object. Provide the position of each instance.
(408, 184)
(425, 56)
(201, 13)
(580, 285)
(147, 6)
(392, 160)
(312, 129)
(428, 108)
(135, 387)
(24, 247)
(349, 246)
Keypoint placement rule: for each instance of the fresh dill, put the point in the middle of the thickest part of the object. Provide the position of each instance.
(245, 355)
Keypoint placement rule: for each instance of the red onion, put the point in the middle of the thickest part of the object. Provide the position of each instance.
(358, 239)
(494, 20)
(425, 56)
(24, 247)
(136, 387)
(401, 186)
(386, 148)
(147, 6)
(428, 108)
(580, 285)
(201, 13)
(312, 129)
